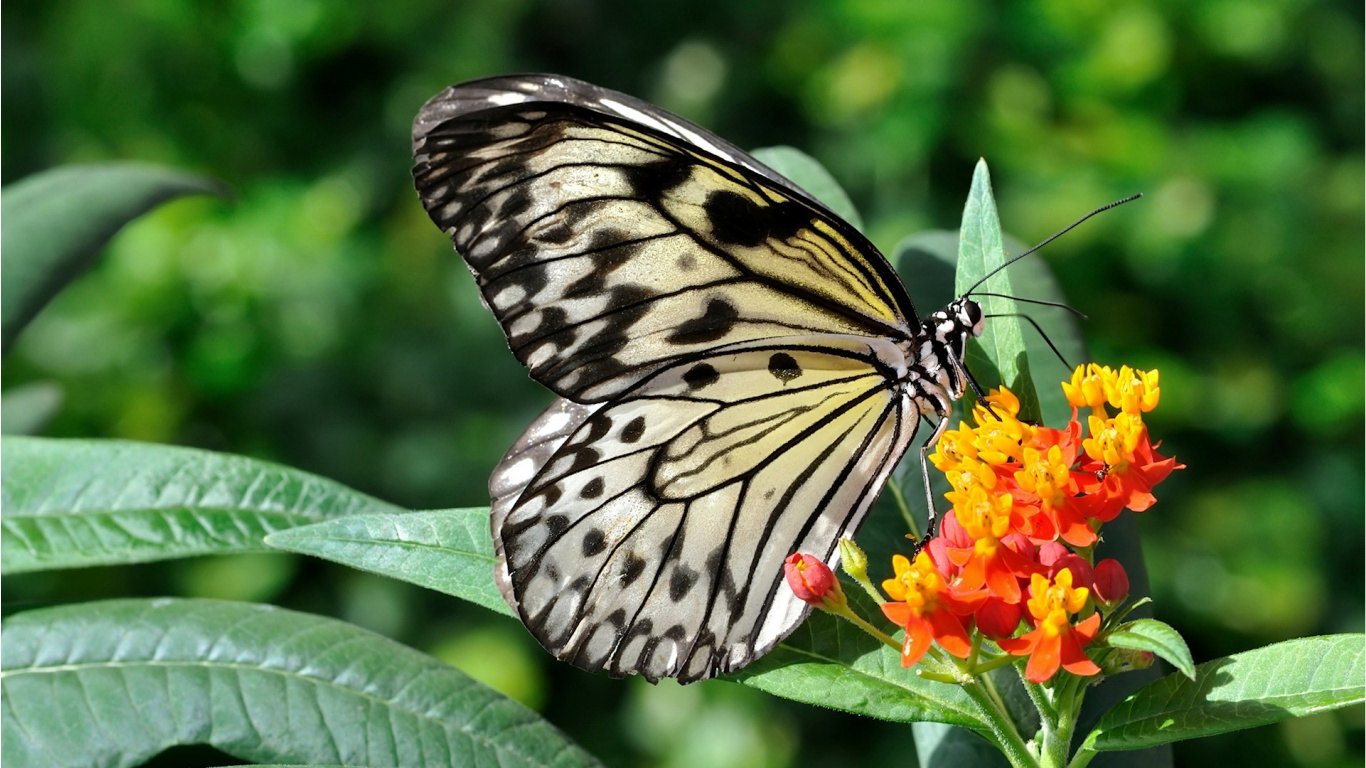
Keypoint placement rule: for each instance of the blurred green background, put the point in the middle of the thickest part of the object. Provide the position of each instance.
(320, 320)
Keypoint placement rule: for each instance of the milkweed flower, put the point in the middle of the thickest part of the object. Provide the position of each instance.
(923, 606)
(1013, 554)
(1055, 641)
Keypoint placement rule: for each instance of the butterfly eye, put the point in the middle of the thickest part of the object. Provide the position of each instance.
(970, 315)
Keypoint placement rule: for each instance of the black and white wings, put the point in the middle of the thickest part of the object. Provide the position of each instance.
(739, 369)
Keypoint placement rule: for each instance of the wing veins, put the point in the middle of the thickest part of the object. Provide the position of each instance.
(825, 502)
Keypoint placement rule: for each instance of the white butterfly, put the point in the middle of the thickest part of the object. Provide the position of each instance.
(738, 369)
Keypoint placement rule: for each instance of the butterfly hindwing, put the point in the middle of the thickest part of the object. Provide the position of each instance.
(607, 247)
(648, 532)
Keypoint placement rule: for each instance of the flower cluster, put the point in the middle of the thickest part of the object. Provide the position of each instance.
(1012, 560)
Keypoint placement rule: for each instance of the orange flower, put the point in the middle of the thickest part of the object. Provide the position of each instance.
(1047, 479)
(924, 608)
(985, 519)
(1055, 641)
(1126, 464)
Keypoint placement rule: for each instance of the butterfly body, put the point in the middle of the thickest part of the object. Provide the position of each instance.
(738, 369)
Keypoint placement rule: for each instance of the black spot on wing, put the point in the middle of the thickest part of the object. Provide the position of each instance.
(717, 321)
(738, 220)
(631, 569)
(650, 181)
(592, 489)
(634, 430)
(701, 375)
(583, 459)
(681, 582)
(594, 542)
(783, 367)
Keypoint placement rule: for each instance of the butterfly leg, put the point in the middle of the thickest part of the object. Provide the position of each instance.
(931, 516)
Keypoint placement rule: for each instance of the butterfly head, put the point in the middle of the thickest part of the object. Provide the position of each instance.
(967, 314)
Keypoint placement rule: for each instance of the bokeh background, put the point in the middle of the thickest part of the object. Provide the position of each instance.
(320, 320)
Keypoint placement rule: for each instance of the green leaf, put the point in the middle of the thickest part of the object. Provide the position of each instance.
(56, 222)
(826, 661)
(448, 550)
(1245, 690)
(926, 263)
(831, 663)
(981, 249)
(28, 408)
(810, 176)
(1157, 637)
(114, 683)
(73, 503)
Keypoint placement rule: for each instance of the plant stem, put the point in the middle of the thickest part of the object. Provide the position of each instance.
(1083, 758)
(1057, 735)
(859, 622)
(1006, 736)
(905, 509)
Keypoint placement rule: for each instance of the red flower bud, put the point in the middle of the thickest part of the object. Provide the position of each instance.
(998, 619)
(1055, 557)
(1111, 582)
(1050, 552)
(810, 579)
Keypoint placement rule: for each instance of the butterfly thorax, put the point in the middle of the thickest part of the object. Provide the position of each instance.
(936, 376)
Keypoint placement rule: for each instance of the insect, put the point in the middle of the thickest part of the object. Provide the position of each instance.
(738, 369)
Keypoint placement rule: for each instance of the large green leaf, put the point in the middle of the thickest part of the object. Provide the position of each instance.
(56, 222)
(114, 683)
(1280, 681)
(448, 550)
(71, 503)
(812, 177)
(825, 662)
(981, 249)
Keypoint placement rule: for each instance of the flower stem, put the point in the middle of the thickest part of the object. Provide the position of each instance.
(904, 508)
(847, 613)
(1004, 734)
(1057, 735)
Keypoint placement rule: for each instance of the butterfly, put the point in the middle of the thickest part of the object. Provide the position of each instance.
(738, 370)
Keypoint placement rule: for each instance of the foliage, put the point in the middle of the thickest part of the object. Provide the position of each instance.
(264, 684)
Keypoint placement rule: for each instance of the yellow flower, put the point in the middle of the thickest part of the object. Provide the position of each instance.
(1047, 475)
(917, 584)
(1135, 391)
(1128, 389)
(954, 447)
(968, 475)
(1052, 603)
(985, 516)
(1087, 387)
(1114, 440)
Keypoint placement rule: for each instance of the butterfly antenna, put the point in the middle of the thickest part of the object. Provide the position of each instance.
(1046, 340)
(1053, 237)
(1040, 302)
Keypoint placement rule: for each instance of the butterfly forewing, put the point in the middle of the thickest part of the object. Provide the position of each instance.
(651, 537)
(606, 248)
